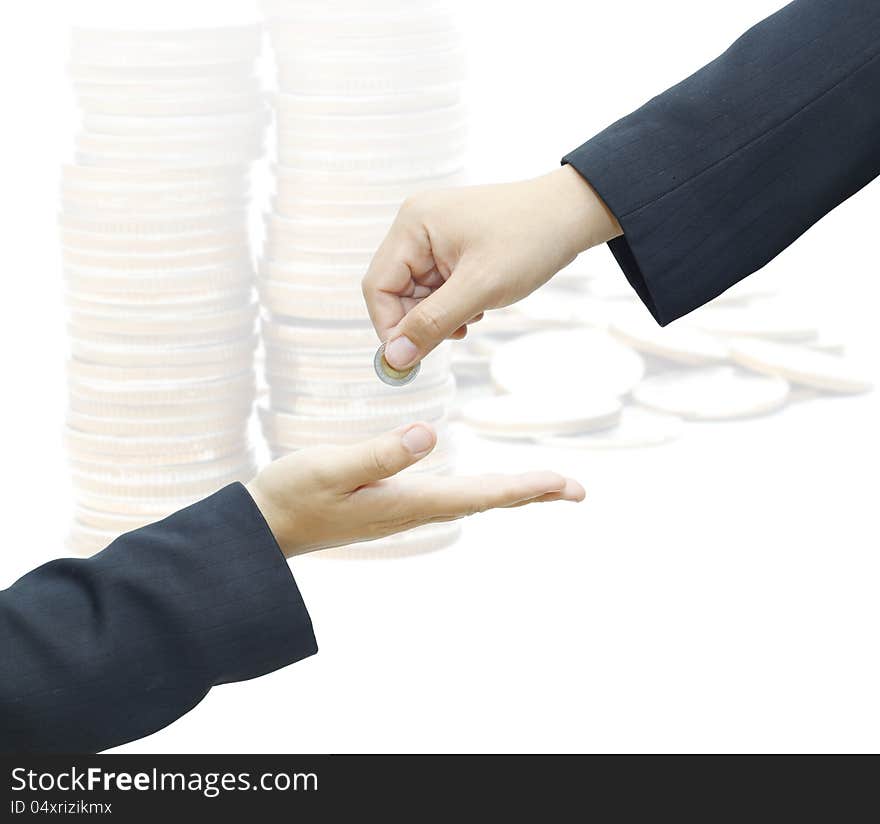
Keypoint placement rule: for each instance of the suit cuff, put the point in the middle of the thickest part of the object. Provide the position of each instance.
(633, 249)
(713, 178)
(270, 626)
(244, 611)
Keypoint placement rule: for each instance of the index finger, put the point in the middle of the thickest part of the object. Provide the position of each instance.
(391, 282)
(386, 278)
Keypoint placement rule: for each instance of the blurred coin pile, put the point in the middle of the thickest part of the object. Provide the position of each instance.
(368, 111)
(581, 364)
(158, 271)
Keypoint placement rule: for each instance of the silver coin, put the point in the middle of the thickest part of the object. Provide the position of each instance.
(388, 374)
(818, 370)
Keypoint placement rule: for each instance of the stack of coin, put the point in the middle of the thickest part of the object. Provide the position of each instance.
(159, 272)
(368, 111)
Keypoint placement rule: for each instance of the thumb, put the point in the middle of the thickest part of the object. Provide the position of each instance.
(386, 455)
(433, 320)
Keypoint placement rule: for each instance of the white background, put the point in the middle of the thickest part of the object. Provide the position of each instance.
(716, 594)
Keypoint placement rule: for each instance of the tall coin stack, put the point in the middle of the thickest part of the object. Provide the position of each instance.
(159, 272)
(368, 111)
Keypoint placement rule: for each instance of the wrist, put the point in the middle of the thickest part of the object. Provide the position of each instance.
(276, 519)
(586, 219)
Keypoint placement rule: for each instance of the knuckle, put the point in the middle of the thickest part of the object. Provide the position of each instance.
(369, 280)
(412, 206)
(419, 207)
(380, 462)
(473, 506)
(430, 319)
(491, 499)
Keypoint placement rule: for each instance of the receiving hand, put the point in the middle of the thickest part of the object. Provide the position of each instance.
(335, 495)
(452, 254)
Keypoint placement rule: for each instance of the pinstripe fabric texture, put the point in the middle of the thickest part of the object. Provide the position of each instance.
(716, 176)
(102, 651)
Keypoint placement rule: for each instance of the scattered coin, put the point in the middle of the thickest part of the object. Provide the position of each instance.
(712, 393)
(807, 367)
(748, 290)
(565, 361)
(771, 320)
(676, 342)
(530, 416)
(636, 428)
(611, 287)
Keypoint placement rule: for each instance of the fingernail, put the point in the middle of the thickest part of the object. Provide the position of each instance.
(418, 440)
(401, 352)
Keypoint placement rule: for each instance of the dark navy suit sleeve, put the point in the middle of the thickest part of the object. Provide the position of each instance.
(719, 174)
(102, 651)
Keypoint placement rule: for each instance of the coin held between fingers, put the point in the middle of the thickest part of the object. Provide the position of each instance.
(402, 351)
(391, 376)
